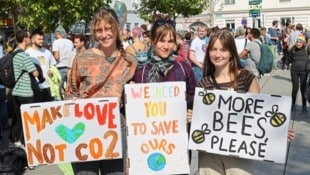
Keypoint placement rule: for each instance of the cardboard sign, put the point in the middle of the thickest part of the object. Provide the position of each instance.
(247, 125)
(67, 131)
(157, 133)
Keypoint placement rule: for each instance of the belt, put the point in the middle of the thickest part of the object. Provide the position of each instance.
(62, 67)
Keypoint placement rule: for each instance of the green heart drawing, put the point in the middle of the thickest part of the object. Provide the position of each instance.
(70, 135)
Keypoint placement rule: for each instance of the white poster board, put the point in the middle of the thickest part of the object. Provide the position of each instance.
(157, 133)
(67, 131)
(247, 125)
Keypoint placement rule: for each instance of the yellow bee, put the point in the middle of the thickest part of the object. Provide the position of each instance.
(276, 118)
(198, 136)
(208, 98)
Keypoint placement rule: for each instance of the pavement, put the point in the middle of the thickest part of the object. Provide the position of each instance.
(298, 160)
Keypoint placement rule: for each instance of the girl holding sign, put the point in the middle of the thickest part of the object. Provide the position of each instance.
(162, 66)
(222, 70)
(102, 72)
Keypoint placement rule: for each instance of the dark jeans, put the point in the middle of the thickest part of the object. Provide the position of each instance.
(4, 115)
(299, 81)
(285, 60)
(16, 133)
(44, 95)
(105, 166)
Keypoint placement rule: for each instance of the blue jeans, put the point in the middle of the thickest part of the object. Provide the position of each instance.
(197, 73)
(64, 76)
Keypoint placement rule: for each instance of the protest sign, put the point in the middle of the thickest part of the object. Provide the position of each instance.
(247, 125)
(157, 133)
(67, 131)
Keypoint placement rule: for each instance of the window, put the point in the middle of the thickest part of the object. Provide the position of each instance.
(229, 2)
(284, 20)
(230, 24)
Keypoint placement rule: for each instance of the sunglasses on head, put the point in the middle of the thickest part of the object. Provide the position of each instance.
(161, 22)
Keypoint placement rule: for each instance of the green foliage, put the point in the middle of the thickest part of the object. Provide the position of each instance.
(47, 14)
(173, 8)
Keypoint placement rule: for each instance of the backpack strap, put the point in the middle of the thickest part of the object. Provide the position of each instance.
(15, 52)
(260, 46)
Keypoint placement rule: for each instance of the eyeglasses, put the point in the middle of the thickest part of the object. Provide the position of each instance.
(161, 22)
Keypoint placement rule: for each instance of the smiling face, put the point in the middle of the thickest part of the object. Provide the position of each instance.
(105, 29)
(105, 35)
(164, 45)
(219, 56)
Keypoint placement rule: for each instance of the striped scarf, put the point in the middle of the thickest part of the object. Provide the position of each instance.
(160, 66)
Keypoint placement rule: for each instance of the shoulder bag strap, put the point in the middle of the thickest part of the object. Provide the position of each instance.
(96, 88)
(134, 49)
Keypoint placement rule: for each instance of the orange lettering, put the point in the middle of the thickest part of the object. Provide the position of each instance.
(34, 152)
(33, 120)
(61, 148)
(78, 151)
(95, 143)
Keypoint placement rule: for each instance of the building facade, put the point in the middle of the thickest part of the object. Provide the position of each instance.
(233, 13)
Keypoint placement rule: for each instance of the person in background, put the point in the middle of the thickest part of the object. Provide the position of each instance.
(146, 39)
(252, 52)
(222, 70)
(274, 37)
(22, 92)
(264, 37)
(62, 50)
(126, 38)
(298, 57)
(138, 48)
(102, 72)
(143, 27)
(197, 52)
(79, 42)
(240, 41)
(45, 59)
(182, 49)
(208, 33)
(285, 35)
(291, 41)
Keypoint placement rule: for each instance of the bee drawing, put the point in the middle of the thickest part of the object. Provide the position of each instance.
(198, 136)
(276, 118)
(207, 98)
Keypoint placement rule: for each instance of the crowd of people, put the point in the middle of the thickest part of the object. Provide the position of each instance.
(207, 58)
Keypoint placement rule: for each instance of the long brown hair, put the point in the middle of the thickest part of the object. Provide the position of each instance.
(228, 42)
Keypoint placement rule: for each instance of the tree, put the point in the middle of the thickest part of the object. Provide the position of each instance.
(173, 8)
(47, 15)
(9, 9)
